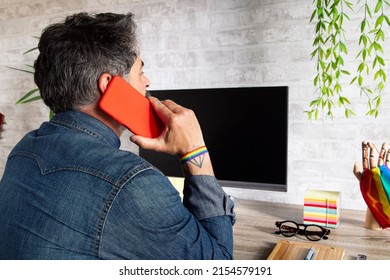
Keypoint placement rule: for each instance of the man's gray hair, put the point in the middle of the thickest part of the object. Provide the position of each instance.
(75, 53)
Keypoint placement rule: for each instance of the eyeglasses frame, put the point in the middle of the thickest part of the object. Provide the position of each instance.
(303, 231)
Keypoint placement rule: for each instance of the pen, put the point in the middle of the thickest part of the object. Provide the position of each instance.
(310, 254)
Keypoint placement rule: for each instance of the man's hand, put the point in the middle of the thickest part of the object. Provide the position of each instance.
(182, 133)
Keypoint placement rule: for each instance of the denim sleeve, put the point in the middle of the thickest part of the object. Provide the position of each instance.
(204, 198)
(147, 220)
(212, 207)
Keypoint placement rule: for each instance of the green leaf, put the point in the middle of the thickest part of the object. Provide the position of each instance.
(379, 21)
(340, 101)
(26, 98)
(380, 35)
(312, 103)
(323, 26)
(359, 53)
(30, 50)
(378, 47)
(340, 60)
(349, 4)
(380, 60)
(349, 112)
(343, 47)
(387, 20)
(378, 6)
(337, 88)
(371, 112)
(318, 27)
(378, 102)
(328, 53)
(30, 100)
(361, 40)
(361, 67)
(368, 10)
(346, 16)
(316, 80)
(368, 90)
(377, 74)
(323, 65)
(325, 91)
(320, 12)
(21, 70)
(313, 15)
(380, 86)
(314, 53)
(316, 41)
(364, 54)
(373, 31)
(363, 26)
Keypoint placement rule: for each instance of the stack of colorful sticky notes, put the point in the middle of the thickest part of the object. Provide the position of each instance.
(322, 208)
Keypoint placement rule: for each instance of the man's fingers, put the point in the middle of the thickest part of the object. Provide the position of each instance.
(166, 108)
(173, 106)
(163, 111)
(145, 142)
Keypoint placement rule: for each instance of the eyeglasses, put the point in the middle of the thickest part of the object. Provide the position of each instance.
(311, 231)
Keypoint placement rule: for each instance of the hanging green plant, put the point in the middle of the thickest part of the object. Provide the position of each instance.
(330, 49)
(329, 52)
(370, 45)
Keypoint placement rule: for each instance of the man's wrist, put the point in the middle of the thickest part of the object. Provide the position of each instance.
(192, 155)
(197, 162)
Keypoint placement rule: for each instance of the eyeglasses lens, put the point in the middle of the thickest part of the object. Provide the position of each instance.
(288, 229)
(314, 233)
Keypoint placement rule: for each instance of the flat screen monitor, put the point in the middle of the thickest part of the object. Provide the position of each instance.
(245, 130)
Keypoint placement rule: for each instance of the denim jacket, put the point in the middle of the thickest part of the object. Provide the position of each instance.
(69, 192)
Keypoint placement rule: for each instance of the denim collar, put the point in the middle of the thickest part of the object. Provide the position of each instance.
(84, 123)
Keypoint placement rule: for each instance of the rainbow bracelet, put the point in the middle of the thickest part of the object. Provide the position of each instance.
(193, 154)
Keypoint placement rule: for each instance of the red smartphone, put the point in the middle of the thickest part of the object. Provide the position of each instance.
(130, 108)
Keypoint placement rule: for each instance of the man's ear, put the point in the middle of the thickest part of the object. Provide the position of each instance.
(103, 81)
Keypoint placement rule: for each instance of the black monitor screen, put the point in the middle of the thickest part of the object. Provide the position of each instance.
(245, 130)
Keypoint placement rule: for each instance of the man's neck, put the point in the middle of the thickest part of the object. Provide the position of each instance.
(94, 111)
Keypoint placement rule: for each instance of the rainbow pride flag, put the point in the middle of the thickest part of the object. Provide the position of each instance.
(375, 188)
(322, 208)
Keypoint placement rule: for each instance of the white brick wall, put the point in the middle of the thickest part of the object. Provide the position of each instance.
(213, 43)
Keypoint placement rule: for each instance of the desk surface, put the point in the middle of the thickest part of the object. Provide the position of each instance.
(255, 238)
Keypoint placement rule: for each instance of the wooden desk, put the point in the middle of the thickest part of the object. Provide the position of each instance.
(255, 238)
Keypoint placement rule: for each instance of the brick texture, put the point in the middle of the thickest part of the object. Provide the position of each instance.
(211, 43)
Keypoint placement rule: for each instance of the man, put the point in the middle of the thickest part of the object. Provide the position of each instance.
(69, 192)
